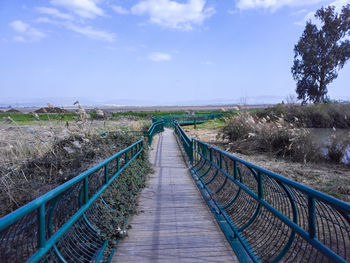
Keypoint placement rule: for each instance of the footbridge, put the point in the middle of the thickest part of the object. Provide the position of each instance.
(200, 205)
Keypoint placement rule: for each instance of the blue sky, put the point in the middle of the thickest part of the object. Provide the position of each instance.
(160, 51)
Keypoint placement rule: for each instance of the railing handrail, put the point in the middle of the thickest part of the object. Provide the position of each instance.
(36, 203)
(306, 189)
(305, 214)
(183, 133)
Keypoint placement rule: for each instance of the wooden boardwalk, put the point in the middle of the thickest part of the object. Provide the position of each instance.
(175, 224)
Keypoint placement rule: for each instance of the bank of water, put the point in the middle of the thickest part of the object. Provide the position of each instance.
(323, 138)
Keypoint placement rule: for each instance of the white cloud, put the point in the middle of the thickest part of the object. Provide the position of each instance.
(120, 10)
(19, 39)
(208, 63)
(299, 12)
(172, 14)
(54, 12)
(307, 17)
(89, 32)
(273, 4)
(158, 56)
(82, 8)
(19, 26)
(26, 33)
(338, 4)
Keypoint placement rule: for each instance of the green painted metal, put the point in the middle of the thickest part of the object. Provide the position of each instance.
(186, 142)
(60, 226)
(187, 119)
(267, 216)
(156, 127)
(264, 216)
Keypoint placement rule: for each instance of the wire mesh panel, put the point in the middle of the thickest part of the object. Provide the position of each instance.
(62, 225)
(275, 219)
(19, 241)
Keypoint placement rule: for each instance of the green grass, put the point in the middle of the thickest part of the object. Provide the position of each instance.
(150, 114)
(27, 117)
(209, 125)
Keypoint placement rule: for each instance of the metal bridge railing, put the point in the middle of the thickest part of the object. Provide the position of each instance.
(267, 217)
(187, 119)
(62, 225)
(155, 128)
(186, 141)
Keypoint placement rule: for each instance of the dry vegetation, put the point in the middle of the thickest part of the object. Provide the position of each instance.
(36, 158)
(283, 147)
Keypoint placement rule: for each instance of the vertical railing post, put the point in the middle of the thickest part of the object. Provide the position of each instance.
(191, 151)
(86, 189)
(235, 169)
(149, 139)
(126, 156)
(41, 226)
(106, 173)
(312, 216)
(118, 163)
(260, 186)
(220, 160)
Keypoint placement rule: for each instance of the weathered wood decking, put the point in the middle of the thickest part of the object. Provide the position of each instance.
(175, 225)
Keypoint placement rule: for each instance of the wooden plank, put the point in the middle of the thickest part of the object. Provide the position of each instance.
(175, 224)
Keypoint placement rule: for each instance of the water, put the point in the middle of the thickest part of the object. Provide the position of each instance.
(322, 137)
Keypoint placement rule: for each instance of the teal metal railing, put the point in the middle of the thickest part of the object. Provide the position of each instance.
(62, 225)
(187, 119)
(267, 217)
(155, 128)
(186, 141)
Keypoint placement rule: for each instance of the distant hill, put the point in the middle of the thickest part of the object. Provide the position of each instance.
(68, 102)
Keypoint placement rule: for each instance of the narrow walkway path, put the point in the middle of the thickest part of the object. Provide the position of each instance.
(175, 224)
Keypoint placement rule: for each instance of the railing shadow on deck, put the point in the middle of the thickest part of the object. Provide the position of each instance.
(267, 217)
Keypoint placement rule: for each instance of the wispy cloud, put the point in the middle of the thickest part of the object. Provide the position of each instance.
(338, 4)
(82, 8)
(86, 31)
(25, 32)
(159, 56)
(307, 17)
(273, 4)
(90, 32)
(172, 14)
(208, 63)
(120, 10)
(54, 13)
(299, 12)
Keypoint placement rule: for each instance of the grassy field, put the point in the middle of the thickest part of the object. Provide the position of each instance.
(209, 125)
(27, 118)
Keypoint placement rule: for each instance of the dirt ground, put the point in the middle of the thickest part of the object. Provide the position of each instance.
(333, 179)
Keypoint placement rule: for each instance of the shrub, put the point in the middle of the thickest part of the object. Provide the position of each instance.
(327, 115)
(277, 137)
(337, 148)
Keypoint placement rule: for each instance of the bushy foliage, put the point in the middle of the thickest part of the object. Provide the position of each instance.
(65, 160)
(272, 135)
(327, 115)
(337, 148)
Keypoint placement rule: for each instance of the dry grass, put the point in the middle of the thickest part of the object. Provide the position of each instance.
(272, 135)
(330, 178)
(36, 158)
